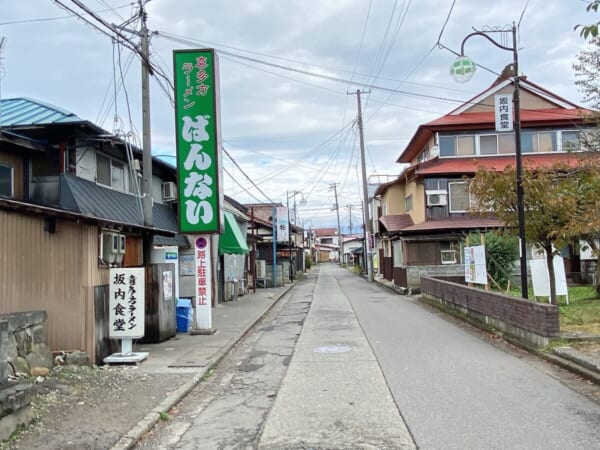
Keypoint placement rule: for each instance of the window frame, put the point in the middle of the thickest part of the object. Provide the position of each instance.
(452, 183)
(11, 179)
(113, 163)
(408, 203)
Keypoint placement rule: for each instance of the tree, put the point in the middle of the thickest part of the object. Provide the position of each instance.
(587, 73)
(590, 30)
(560, 204)
(501, 252)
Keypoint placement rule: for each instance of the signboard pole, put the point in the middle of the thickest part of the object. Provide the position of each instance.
(274, 223)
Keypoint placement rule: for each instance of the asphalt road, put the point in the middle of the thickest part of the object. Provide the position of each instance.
(455, 390)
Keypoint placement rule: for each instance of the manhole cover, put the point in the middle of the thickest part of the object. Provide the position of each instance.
(338, 348)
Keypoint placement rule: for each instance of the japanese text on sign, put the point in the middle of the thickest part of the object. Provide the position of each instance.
(126, 291)
(197, 146)
(503, 106)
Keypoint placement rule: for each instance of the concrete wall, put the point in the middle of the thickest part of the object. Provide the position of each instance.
(530, 322)
(415, 273)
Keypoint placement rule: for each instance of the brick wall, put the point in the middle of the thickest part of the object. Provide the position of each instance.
(534, 323)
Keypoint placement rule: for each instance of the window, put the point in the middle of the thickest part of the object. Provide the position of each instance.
(457, 145)
(506, 143)
(6, 181)
(110, 172)
(459, 197)
(538, 141)
(408, 203)
(447, 253)
(488, 144)
(570, 141)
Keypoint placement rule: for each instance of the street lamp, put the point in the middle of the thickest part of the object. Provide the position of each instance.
(463, 70)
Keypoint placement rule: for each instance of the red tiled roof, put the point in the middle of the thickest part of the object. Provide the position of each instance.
(455, 224)
(529, 117)
(469, 165)
(396, 222)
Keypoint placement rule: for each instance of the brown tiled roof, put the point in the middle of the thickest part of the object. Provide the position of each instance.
(455, 224)
(396, 222)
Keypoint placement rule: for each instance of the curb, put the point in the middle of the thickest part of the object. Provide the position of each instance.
(127, 441)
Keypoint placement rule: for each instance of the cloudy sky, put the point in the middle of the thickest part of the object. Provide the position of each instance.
(287, 130)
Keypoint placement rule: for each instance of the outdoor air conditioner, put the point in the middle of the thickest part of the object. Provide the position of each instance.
(121, 248)
(110, 247)
(437, 198)
(169, 191)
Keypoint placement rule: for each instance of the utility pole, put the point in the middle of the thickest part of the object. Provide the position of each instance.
(366, 219)
(350, 216)
(337, 211)
(146, 137)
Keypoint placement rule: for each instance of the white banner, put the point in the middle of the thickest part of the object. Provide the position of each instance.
(127, 303)
(475, 268)
(503, 107)
(283, 229)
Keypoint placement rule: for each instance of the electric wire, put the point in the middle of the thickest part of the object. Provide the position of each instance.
(245, 175)
(234, 179)
(70, 16)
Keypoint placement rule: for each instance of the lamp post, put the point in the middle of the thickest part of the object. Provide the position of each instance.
(463, 70)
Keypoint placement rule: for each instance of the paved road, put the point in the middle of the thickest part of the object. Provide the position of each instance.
(457, 391)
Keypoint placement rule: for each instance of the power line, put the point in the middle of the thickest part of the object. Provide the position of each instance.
(244, 173)
(71, 16)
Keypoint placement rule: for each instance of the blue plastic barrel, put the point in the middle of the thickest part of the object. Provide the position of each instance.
(183, 310)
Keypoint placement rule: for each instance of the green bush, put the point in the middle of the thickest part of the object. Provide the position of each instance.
(501, 252)
(308, 262)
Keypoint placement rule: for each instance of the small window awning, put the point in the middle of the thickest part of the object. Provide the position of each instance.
(232, 241)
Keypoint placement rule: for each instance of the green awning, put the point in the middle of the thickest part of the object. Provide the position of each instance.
(232, 241)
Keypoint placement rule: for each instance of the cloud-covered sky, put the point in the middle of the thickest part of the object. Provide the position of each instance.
(287, 130)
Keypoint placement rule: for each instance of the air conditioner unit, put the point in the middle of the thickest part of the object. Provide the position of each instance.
(437, 198)
(434, 151)
(120, 249)
(110, 247)
(169, 191)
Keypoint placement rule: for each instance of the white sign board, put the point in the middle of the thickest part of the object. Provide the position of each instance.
(127, 303)
(503, 108)
(541, 279)
(203, 282)
(283, 229)
(475, 268)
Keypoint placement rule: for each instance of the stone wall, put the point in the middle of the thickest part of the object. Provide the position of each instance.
(22, 348)
(23, 342)
(531, 322)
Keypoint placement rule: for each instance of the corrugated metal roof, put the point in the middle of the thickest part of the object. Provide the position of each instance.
(92, 200)
(24, 111)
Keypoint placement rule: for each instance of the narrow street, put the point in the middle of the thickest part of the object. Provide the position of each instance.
(341, 363)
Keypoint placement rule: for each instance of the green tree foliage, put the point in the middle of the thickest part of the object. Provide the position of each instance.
(590, 30)
(561, 203)
(501, 252)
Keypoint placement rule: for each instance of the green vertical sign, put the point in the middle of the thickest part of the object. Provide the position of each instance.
(198, 146)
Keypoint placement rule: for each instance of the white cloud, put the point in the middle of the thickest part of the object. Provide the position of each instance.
(276, 123)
